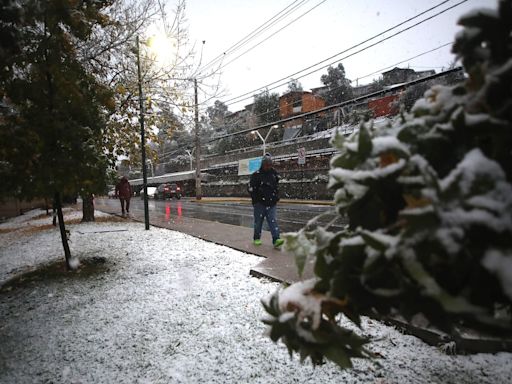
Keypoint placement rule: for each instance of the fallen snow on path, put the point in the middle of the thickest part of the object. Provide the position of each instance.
(170, 308)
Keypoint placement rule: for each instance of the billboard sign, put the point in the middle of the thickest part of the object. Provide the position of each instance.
(248, 166)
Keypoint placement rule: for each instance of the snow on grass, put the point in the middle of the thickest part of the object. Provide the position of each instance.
(170, 308)
(18, 236)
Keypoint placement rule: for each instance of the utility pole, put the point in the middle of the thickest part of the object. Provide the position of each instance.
(142, 139)
(198, 145)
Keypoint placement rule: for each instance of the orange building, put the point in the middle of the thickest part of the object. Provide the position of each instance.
(297, 103)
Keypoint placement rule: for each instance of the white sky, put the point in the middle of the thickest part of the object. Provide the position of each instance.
(330, 28)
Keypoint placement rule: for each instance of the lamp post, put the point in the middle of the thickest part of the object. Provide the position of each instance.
(198, 144)
(150, 162)
(189, 153)
(264, 140)
(142, 139)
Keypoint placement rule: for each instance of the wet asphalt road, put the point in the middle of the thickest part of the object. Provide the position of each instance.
(291, 217)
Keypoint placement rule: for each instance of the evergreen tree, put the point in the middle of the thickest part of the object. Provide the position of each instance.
(294, 86)
(429, 202)
(51, 139)
(338, 86)
(266, 107)
(217, 114)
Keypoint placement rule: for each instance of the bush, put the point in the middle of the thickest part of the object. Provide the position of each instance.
(429, 201)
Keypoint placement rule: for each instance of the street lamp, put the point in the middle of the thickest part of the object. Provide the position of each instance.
(189, 153)
(264, 140)
(150, 162)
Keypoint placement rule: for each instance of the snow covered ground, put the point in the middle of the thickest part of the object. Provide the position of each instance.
(170, 308)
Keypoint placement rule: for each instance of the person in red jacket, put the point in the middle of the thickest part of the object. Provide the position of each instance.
(124, 192)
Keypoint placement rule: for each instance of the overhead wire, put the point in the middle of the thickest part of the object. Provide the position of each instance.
(327, 108)
(253, 33)
(372, 74)
(275, 33)
(337, 105)
(242, 97)
(365, 76)
(380, 41)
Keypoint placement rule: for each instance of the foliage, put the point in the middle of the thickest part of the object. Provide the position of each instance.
(294, 86)
(429, 202)
(51, 136)
(338, 86)
(217, 114)
(266, 107)
(112, 53)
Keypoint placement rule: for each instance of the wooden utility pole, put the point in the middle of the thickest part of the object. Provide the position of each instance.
(198, 145)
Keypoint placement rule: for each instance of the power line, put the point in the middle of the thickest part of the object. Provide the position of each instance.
(325, 109)
(254, 33)
(338, 105)
(275, 33)
(241, 97)
(165, 154)
(371, 74)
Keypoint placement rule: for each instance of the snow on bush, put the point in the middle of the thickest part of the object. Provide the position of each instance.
(429, 202)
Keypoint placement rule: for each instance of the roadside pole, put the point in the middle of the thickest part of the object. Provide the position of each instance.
(198, 145)
(301, 160)
(142, 140)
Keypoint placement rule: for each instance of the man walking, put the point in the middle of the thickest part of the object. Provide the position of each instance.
(124, 192)
(263, 188)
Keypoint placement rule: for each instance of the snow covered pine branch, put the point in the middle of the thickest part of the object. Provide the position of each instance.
(429, 201)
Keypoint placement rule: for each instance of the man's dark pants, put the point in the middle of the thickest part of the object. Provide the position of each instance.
(270, 213)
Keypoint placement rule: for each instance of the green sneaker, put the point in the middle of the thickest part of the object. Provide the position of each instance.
(257, 242)
(278, 243)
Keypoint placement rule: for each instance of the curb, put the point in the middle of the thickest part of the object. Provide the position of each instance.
(248, 200)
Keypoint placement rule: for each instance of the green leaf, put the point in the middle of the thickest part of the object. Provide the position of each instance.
(365, 142)
(378, 241)
(299, 244)
(337, 140)
(431, 288)
(337, 355)
(345, 160)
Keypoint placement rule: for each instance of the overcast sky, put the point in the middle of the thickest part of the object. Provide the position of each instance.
(331, 27)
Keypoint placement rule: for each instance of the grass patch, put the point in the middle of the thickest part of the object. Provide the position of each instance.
(8, 230)
(101, 219)
(56, 270)
(32, 229)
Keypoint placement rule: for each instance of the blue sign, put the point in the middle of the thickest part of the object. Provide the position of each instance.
(254, 164)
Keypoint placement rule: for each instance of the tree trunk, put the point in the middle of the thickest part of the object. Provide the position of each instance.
(88, 208)
(63, 234)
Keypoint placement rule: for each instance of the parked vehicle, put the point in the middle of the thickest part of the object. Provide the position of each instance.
(168, 191)
(112, 193)
(151, 193)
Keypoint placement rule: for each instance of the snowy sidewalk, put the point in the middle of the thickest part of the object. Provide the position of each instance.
(169, 308)
(278, 265)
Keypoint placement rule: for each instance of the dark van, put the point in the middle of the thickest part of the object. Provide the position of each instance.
(168, 191)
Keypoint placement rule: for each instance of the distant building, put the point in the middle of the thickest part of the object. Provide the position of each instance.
(362, 90)
(403, 75)
(422, 74)
(320, 91)
(296, 103)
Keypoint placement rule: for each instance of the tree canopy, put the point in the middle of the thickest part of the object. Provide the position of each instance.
(338, 86)
(266, 107)
(54, 107)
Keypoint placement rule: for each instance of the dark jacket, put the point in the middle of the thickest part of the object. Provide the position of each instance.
(263, 187)
(124, 189)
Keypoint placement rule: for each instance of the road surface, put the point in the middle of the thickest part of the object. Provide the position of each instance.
(291, 217)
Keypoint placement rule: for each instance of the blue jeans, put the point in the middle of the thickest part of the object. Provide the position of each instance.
(261, 212)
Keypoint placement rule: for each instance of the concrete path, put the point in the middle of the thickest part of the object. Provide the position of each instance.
(277, 265)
